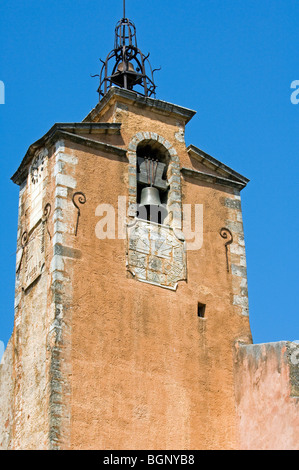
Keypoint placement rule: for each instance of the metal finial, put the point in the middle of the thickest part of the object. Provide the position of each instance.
(125, 66)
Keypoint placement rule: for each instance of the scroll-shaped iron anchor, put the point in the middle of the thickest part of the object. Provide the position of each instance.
(81, 200)
(47, 212)
(24, 241)
(224, 233)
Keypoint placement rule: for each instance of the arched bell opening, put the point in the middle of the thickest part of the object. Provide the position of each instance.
(152, 185)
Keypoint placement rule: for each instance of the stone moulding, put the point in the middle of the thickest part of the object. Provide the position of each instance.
(133, 98)
(200, 175)
(225, 173)
(173, 175)
(155, 254)
(71, 132)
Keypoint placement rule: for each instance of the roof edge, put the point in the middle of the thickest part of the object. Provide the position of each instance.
(201, 156)
(69, 130)
(163, 107)
(200, 175)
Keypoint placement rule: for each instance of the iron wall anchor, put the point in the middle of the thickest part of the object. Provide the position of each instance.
(224, 232)
(81, 200)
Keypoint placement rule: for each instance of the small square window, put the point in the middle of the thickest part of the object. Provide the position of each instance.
(201, 308)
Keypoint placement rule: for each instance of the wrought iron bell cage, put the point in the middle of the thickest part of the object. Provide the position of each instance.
(125, 66)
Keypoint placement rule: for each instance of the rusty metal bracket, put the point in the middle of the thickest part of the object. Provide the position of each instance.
(81, 200)
(47, 212)
(24, 241)
(224, 233)
(151, 172)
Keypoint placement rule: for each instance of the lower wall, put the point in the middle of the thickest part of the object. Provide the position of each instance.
(267, 395)
(6, 397)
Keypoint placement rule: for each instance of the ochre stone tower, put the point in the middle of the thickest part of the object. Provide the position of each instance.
(109, 354)
(125, 327)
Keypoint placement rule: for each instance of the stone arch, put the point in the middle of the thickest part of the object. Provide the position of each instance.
(174, 203)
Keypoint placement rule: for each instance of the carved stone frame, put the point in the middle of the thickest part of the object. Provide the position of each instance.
(139, 261)
(174, 204)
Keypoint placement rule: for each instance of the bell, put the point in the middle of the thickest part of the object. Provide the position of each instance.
(150, 207)
(120, 67)
(150, 197)
(126, 73)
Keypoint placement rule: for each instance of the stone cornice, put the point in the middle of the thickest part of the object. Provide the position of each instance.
(200, 175)
(71, 132)
(131, 97)
(225, 173)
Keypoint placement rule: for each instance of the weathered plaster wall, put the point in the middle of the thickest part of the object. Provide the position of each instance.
(267, 396)
(26, 358)
(29, 374)
(6, 397)
(147, 372)
(104, 361)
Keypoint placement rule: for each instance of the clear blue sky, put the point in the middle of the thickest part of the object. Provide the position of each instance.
(231, 61)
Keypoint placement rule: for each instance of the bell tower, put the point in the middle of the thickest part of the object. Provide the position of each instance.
(126, 66)
(131, 286)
